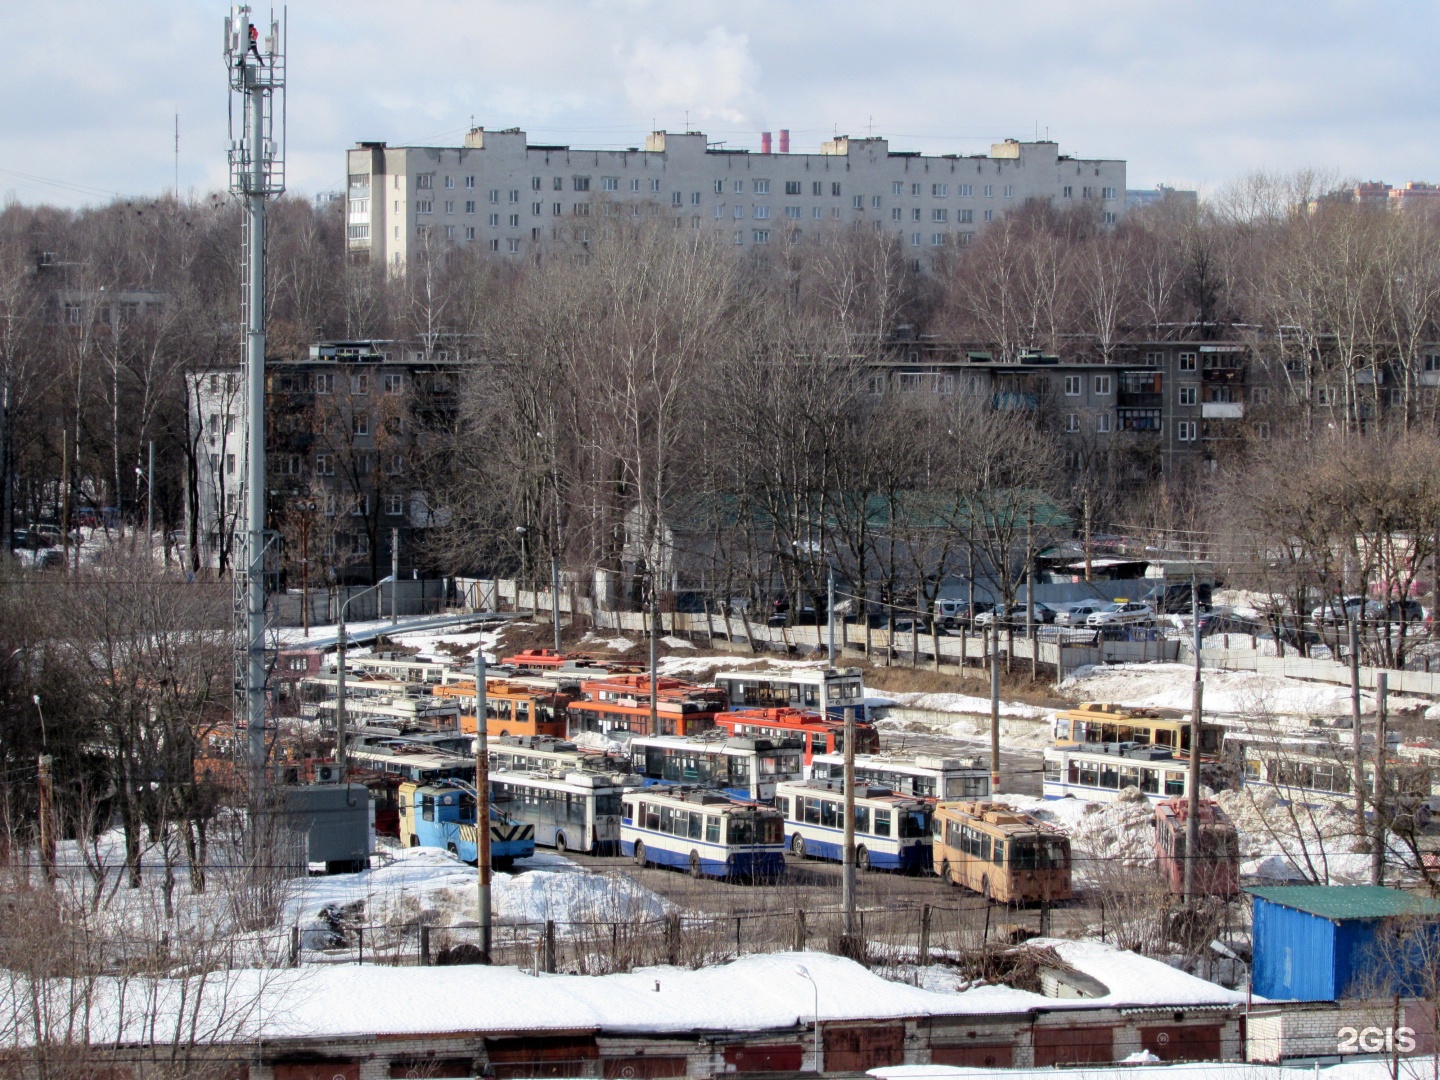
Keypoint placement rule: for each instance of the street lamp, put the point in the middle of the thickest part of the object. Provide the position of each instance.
(340, 644)
(521, 532)
(804, 973)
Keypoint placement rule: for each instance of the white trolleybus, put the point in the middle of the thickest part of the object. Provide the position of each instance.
(542, 754)
(920, 776)
(827, 690)
(743, 768)
(571, 811)
(892, 832)
(1099, 772)
(703, 832)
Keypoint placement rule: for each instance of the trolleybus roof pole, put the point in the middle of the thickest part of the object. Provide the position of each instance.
(482, 805)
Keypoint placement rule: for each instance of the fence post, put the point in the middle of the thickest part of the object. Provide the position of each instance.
(924, 935)
(360, 937)
(550, 946)
(295, 946)
(424, 945)
(737, 935)
(800, 934)
(672, 938)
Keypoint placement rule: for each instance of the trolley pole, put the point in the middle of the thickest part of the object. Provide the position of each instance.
(340, 645)
(394, 576)
(1377, 851)
(1192, 808)
(848, 871)
(482, 806)
(1359, 762)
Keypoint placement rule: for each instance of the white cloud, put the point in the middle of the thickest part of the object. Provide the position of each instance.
(714, 78)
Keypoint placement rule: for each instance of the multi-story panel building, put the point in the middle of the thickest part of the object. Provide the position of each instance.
(507, 198)
(346, 441)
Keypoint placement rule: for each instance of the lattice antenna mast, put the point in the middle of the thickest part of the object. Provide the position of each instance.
(255, 60)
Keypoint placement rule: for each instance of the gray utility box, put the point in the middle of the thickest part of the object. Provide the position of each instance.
(334, 822)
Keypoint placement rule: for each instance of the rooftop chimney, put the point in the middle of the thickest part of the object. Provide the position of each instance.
(784, 140)
(764, 142)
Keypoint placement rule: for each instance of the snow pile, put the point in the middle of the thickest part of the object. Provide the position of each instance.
(1099, 833)
(677, 643)
(1295, 842)
(968, 704)
(967, 718)
(597, 741)
(427, 885)
(1235, 693)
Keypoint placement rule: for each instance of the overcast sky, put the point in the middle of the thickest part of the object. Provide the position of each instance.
(1189, 93)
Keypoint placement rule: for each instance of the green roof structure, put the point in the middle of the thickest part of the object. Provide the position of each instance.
(1339, 902)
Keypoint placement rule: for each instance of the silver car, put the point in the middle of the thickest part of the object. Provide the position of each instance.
(1122, 613)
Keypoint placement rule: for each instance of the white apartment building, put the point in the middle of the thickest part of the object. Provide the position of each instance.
(512, 199)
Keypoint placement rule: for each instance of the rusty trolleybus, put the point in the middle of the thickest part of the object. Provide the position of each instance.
(1095, 722)
(1000, 853)
(818, 733)
(1217, 870)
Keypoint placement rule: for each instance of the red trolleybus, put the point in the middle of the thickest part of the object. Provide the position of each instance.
(1217, 870)
(621, 703)
(819, 734)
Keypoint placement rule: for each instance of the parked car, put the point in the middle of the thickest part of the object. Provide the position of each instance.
(952, 613)
(1405, 611)
(1076, 614)
(1338, 610)
(1122, 613)
(1014, 615)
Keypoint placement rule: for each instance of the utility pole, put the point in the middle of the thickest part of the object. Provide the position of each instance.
(993, 632)
(257, 173)
(1088, 575)
(847, 878)
(1192, 815)
(654, 661)
(65, 495)
(305, 509)
(394, 576)
(555, 596)
(150, 501)
(1030, 592)
(1358, 778)
(340, 643)
(1377, 852)
(47, 819)
(830, 616)
(482, 806)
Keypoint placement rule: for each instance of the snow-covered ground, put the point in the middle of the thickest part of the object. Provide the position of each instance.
(1230, 693)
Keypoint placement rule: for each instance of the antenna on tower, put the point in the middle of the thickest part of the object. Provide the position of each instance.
(255, 60)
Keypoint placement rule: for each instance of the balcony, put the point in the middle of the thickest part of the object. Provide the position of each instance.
(1127, 399)
(1222, 410)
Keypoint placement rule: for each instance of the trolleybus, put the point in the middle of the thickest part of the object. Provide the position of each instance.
(830, 690)
(1099, 772)
(621, 704)
(1217, 870)
(704, 832)
(1096, 722)
(891, 832)
(819, 734)
(443, 816)
(920, 775)
(574, 811)
(1000, 853)
(742, 768)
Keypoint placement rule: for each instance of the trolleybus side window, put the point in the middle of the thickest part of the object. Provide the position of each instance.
(882, 822)
(427, 804)
(829, 814)
(862, 819)
(739, 830)
(1174, 783)
(782, 803)
(712, 828)
(913, 824)
(998, 856)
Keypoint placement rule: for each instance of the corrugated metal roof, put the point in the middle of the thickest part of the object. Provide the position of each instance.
(1347, 901)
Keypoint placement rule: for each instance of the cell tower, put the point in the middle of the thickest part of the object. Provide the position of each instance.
(256, 63)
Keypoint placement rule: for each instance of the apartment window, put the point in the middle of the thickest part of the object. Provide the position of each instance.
(394, 383)
(937, 239)
(634, 183)
(1107, 193)
(1187, 395)
(360, 423)
(792, 212)
(494, 195)
(394, 507)
(875, 384)
(1323, 396)
(897, 214)
(493, 221)
(760, 236)
(914, 239)
(1087, 192)
(1067, 192)
(1262, 429)
(835, 188)
(835, 212)
(915, 213)
(1103, 424)
(817, 212)
(325, 383)
(1072, 423)
(513, 245)
(858, 202)
(558, 184)
(989, 191)
(654, 183)
(324, 464)
(469, 206)
(360, 383)
(449, 232)
(582, 183)
(989, 215)
(425, 181)
(609, 183)
(762, 187)
(739, 236)
(449, 181)
(1186, 361)
(965, 191)
(1187, 430)
(495, 245)
(395, 464)
(1073, 385)
(695, 198)
(817, 187)
(762, 212)
(676, 198)
(514, 221)
(739, 212)
(1109, 217)
(940, 191)
(965, 217)
(1432, 362)
(537, 208)
(897, 187)
(556, 209)
(581, 209)
(360, 506)
(469, 232)
(424, 206)
(230, 464)
(1102, 385)
(1260, 395)
(1009, 191)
